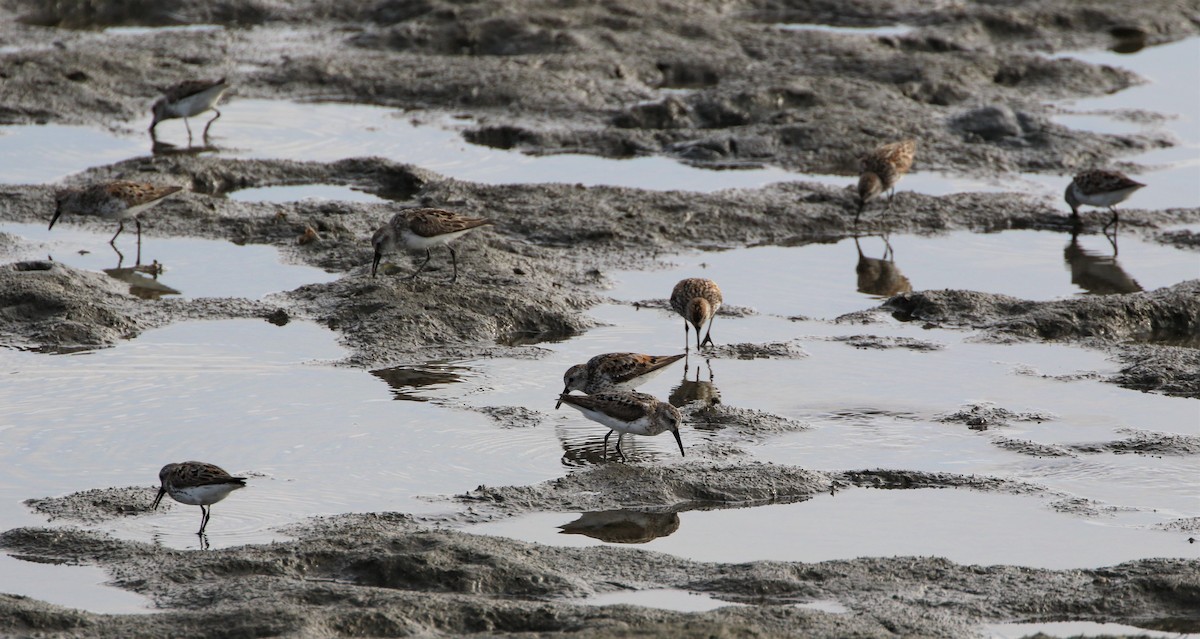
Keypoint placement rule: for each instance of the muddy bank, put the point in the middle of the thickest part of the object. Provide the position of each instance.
(381, 574)
(614, 79)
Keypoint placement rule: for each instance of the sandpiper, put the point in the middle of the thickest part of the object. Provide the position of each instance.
(119, 200)
(616, 371)
(187, 99)
(1099, 187)
(423, 229)
(697, 299)
(882, 169)
(627, 412)
(196, 484)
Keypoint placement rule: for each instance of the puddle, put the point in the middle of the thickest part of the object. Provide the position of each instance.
(255, 399)
(886, 30)
(823, 280)
(299, 192)
(665, 598)
(1075, 629)
(71, 586)
(972, 528)
(193, 267)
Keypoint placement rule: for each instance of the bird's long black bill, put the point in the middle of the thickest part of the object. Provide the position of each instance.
(566, 389)
(375, 262)
(679, 441)
(158, 498)
(57, 213)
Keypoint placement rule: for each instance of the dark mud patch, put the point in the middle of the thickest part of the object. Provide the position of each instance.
(665, 488)
(888, 342)
(984, 416)
(747, 423)
(1086, 507)
(96, 505)
(1143, 442)
(1033, 449)
(771, 350)
(910, 479)
(514, 416)
(1168, 369)
(54, 307)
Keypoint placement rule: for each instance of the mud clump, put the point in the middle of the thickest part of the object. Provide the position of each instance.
(55, 307)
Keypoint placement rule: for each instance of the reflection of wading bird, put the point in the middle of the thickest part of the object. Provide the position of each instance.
(1099, 188)
(113, 200)
(1097, 274)
(623, 526)
(880, 276)
(695, 391)
(616, 371)
(697, 300)
(423, 229)
(627, 412)
(882, 169)
(196, 484)
(188, 99)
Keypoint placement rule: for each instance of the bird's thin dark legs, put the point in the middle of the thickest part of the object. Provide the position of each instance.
(428, 256)
(454, 261)
(120, 227)
(210, 123)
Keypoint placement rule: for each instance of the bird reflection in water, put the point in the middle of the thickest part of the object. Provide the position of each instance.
(405, 381)
(147, 288)
(166, 148)
(1095, 272)
(623, 526)
(880, 276)
(694, 390)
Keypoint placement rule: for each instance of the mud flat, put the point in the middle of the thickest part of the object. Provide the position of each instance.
(721, 87)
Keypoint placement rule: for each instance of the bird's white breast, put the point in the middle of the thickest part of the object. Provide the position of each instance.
(639, 426)
(197, 103)
(414, 241)
(203, 495)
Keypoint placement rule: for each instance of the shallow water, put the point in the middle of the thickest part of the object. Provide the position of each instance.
(1076, 629)
(193, 267)
(262, 400)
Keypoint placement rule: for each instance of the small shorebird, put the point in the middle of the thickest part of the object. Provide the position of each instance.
(118, 200)
(616, 371)
(627, 412)
(196, 484)
(697, 299)
(423, 229)
(882, 169)
(1099, 187)
(187, 99)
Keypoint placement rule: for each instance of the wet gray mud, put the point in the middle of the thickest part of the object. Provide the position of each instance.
(716, 86)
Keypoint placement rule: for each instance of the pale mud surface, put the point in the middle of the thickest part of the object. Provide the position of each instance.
(546, 78)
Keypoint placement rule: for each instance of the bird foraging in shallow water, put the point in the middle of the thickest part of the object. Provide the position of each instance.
(696, 299)
(119, 200)
(187, 99)
(423, 229)
(196, 484)
(1100, 188)
(627, 412)
(882, 169)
